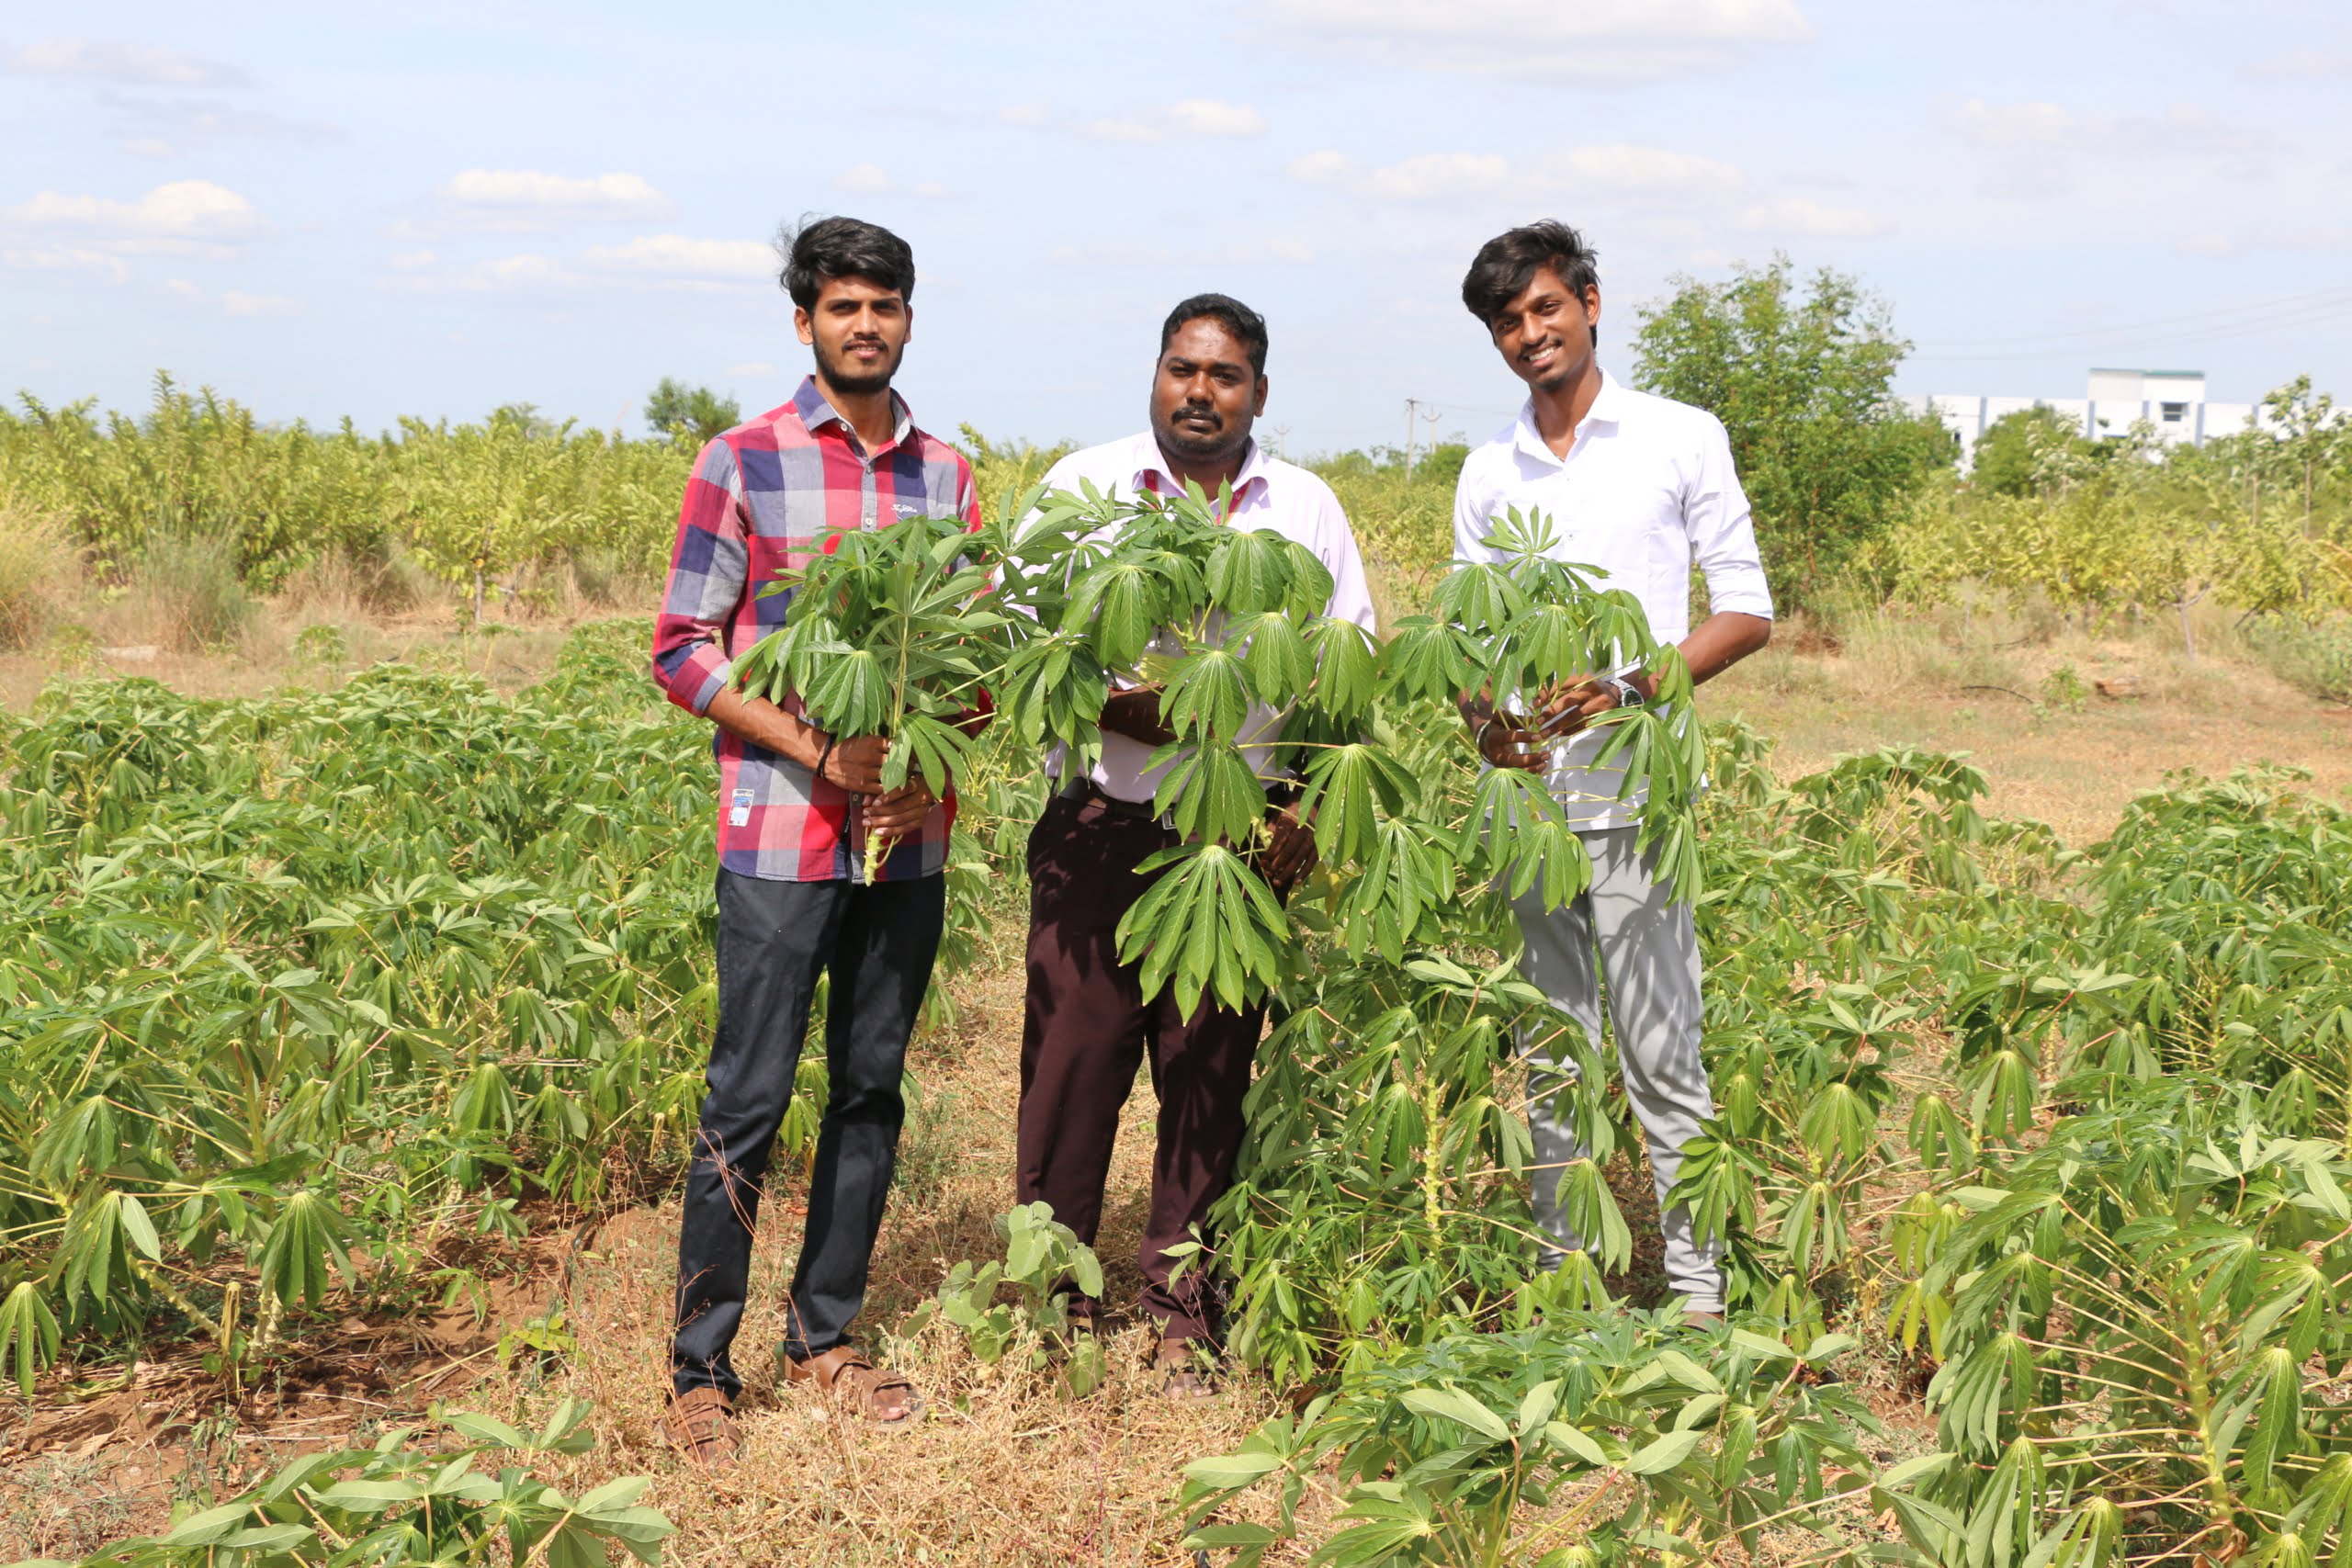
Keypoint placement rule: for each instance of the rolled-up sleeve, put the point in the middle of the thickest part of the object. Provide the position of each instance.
(708, 567)
(1722, 534)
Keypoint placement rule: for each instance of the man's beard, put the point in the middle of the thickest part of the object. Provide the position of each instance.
(1564, 373)
(1193, 442)
(856, 383)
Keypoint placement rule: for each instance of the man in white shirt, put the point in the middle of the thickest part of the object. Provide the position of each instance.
(1640, 487)
(1086, 1025)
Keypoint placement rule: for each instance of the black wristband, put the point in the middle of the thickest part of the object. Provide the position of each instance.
(823, 758)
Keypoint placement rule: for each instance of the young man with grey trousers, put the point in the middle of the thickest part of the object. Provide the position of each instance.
(1640, 487)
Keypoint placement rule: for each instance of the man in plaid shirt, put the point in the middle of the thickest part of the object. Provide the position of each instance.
(795, 808)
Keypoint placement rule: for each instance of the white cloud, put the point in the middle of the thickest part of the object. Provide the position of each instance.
(2046, 126)
(1278, 251)
(655, 263)
(111, 60)
(1023, 114)
(529, 270)
(749, 367)
(872, 179)
(237, 302)
(67, 260)
(1796, 215)
(187, 216)
(1114, 253)
(1318, 168)
(1614, 40)
(1212, 117)
(1162, 122)
(676, 255)
(171, 125)
(2306, 63)
(2207, 245)
(531, 199)
(1651, 173)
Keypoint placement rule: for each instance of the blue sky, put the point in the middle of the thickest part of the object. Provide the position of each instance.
(435, 208)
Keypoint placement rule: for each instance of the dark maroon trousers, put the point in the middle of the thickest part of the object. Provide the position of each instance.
(1085, 1028)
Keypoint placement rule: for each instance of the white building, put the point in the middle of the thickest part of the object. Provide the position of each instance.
(2171, 401)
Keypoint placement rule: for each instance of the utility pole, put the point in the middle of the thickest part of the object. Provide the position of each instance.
(1281, 441)
(1430, 418)
(1412, 429)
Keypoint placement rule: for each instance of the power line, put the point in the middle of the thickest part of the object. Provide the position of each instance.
(2221, 318)
(2206, 332)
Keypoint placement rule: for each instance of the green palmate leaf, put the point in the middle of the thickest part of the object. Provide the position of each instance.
(1226, 1472)
(1663, 1454)
(847, 690)
(307, 1237)
(28, 1334)
(1210, 792)
(1478, 596)
(1349, 790)
(1119, 606)
(1250, 571)
(1275, 651)
(1347, 667)
(1208, 696)
(928, 746)
(2273, 1396)
(1590, 1210)
(1429, 661)
(1452, 1404)
(1207, 923)
(1403, 878)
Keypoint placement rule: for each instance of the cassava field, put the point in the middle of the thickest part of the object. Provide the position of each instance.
(355, 986)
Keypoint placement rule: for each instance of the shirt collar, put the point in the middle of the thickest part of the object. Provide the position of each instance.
(815, 409)
(1152, 471)
(1608, 408)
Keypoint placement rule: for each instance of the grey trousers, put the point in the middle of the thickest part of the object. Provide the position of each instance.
(1648, 952)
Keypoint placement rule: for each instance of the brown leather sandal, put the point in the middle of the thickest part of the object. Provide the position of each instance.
(700, 1423)
(844, 1366)
(1183, 1372)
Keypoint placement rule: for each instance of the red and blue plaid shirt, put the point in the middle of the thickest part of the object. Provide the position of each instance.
(764, 498)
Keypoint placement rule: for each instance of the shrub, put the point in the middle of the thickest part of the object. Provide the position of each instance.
(35, 568)
(189, 592)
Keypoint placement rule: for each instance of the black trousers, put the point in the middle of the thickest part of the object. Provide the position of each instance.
(876, 943)
(1084, 1028)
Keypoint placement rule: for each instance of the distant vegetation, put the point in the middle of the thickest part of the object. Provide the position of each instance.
(1859, 502)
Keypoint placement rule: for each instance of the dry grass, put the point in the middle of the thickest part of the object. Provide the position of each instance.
(2019, 694)
(38, 576)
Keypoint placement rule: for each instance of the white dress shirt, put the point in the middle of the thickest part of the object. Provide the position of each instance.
(1267, 493)
(1647, 488)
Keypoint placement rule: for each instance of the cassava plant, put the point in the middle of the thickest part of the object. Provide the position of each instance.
(1596, 1438)
(1227, 624)
(890, 632)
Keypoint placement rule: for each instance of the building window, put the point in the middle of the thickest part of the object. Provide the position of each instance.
(2174, 412)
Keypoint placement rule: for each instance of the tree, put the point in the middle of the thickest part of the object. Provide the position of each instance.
(2011, 457)
(1802, 380)
(689, 415)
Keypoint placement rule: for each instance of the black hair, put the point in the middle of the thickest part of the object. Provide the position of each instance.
(1248, 327)
(1504, 264)
(822, 249)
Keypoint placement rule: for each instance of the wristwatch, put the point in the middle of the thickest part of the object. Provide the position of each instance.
(1628, 694)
